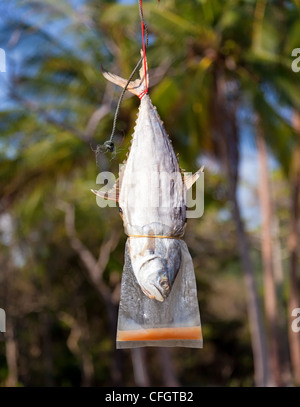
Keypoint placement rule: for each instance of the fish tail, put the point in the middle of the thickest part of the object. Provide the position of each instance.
(136, 87)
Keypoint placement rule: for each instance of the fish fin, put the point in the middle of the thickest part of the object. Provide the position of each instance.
(111, 195)
(136, 87)
(189, 180)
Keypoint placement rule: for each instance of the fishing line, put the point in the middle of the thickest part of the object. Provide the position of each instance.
(144, 49)
(109, 144)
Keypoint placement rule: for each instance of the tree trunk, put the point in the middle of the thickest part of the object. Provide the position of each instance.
(277, 253)
(138, 356)
(168, 373)
(294, 338)
(88, 371)
(267, 259)
(11, 350)
(46, 325)
(227, 148)
(282, 320)
(261, 370)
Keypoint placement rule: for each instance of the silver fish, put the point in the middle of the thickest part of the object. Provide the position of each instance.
(151, 192)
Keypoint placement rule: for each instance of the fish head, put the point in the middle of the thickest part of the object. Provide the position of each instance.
(155, 263)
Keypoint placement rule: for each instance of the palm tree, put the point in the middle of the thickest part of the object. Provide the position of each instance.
(293, 247)
(271, 306)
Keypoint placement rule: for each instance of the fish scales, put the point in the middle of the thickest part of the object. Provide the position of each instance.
(147, 181)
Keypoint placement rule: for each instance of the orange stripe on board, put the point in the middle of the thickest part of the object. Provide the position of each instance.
(193, 333)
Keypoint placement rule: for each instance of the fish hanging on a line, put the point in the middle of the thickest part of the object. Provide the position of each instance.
(158, 305)
(155, 261)
(155, 252)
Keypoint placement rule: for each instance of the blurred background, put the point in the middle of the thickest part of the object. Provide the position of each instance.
(221, 77)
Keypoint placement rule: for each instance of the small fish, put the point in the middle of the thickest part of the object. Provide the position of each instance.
(151, 193)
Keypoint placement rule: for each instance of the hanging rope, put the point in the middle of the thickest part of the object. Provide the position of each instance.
(144, 48)
(109, 144)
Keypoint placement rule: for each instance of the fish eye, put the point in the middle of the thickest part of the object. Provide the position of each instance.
(120, 210)
(164, 284)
